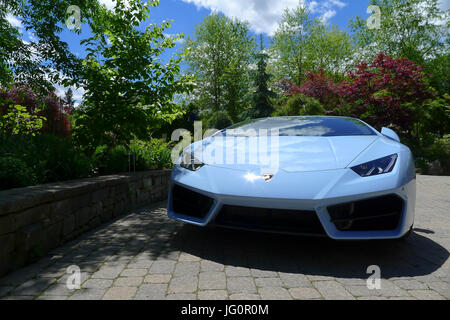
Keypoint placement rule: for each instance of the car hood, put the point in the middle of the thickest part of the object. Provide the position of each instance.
(289, 153)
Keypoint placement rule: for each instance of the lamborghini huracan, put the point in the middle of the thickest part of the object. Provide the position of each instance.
(308, 175)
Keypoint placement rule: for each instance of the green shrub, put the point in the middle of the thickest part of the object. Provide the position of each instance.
(14, 173)
(50, 158)
(219, 120)
(431, 150)
(300, 104)
(140, 156)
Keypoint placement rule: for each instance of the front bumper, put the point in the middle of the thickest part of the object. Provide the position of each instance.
(294, 193)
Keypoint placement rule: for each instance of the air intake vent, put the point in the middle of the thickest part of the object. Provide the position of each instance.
(190, 203)
(271, 220)
(375, 214)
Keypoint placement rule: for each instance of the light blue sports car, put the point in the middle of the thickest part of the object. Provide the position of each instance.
(308, 175)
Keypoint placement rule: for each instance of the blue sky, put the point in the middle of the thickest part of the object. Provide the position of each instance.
(262, 16)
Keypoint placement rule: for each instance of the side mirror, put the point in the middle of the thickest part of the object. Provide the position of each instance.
(390, 134)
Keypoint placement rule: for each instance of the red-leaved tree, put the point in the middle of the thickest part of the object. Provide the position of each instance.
(386, 92)
(48, 106)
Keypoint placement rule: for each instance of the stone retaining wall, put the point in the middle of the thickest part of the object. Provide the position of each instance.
(36, 219)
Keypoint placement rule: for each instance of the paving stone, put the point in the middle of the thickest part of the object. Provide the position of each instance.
(389, 289)
(245, 296)
(206, 265)
(139, 264)
(18, 298)
(120, 293)
(292, 280)
(362, 291)
(268, 282)
(108, 272)
(33, 287)
(158, 278)
(134, 273)
(151, 292)
(185, 284)
(128, 281)
(232, 271)
(97, 284)
(58, 290)
(443, 288)
(304, 293)
(411, 284)
(257, 273)
(241, 285)
(181, 296)
(373, 298)
(274, 294)
(52, 298)
(212, 280)
(332, 290)
(187, 269)
(162, 267)
(212, 295)
(426, 295)
(88, 294)
(186, 257)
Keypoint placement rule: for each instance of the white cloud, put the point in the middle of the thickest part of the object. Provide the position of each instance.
(14, 21)
(328, 15)
(108, 3)
(264, 15)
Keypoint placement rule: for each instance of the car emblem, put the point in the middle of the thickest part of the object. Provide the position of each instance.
(267, 176)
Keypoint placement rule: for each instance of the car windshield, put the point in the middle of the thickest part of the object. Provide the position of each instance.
(301, 126)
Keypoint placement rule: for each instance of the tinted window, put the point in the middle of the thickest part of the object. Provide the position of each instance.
(302, 126)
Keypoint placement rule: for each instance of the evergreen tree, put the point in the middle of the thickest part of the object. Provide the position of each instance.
(262, 104)
(68, 100)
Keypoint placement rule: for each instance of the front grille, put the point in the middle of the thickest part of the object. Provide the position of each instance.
(190, 203)
(270, 220)
(375, 214)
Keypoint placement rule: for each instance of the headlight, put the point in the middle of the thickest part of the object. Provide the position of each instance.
(188, 161)
(376, 167)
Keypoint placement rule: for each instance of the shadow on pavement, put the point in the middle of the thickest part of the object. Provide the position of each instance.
(416, 256)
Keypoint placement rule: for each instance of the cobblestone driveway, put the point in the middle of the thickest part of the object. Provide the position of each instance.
(144, 255)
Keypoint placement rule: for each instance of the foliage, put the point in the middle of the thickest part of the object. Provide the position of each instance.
(299, 104)
(128, 91)
(44, 59)
(262, 97)
(386, 92)
(14, 173)
(48, 158)
(220, 56)
(138, 156)
(18, 121)
(26, 111)
(320, 86)
(413, 29)
(219, 120)
(303, 43)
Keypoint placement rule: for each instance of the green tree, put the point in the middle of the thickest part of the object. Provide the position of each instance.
(68, 99)
(220, 56)
(128, 90)
(414, 29)
(330, 49)
(304, 43)
(290, 44)
(261, 98)
(46, 59)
